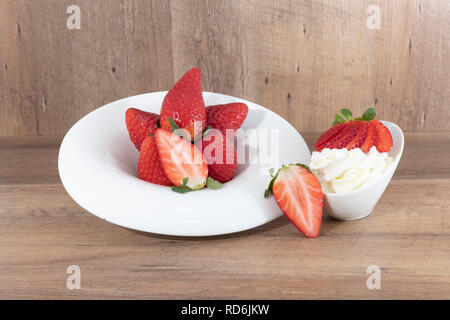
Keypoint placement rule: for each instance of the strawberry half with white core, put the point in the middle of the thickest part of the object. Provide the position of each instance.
(351, 133)
(299, 195)
(183, 163)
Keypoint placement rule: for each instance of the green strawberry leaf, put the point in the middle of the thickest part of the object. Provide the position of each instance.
(338, 119)
(203, 134)
(369, 114)
(268, 191)
(173, 124)
(183, 188)
(347, 114)
(176, 129)
(213, 184)
(158, 124)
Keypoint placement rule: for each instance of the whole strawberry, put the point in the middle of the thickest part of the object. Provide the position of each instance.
(226, 116)
(184, 105)
(149, 165)
(221, 156)
(140, 124)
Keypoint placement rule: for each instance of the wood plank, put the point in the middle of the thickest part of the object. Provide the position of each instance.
(272, 261)
(18, 78)
(56, 75)
(43, 231)
(30, 160)
(307, 60)
(302, 59)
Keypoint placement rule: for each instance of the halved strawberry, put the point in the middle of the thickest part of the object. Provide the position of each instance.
(149, 166)
(183, 163)
(360, 136)
(329, 134)
(184, 104)
(383, 140)
(226, 116)
(140, 124)
(220, 155)
(299, 195)
(369, 142)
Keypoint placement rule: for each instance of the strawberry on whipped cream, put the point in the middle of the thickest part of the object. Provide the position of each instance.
(342, 170)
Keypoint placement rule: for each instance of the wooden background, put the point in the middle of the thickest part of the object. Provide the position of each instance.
(303, 59)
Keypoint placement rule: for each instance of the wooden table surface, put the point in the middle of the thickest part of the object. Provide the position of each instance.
(43, 231)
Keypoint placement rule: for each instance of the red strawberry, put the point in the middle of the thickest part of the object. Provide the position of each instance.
(363, 133)
(226, 116)
(220, 155)
(360, 136)
(299, 195)
(329, 134)
(343, 138)
(184, 104)
(383, 140)
(140, 124)
(149, 166)
(369, 142)
(183, 163)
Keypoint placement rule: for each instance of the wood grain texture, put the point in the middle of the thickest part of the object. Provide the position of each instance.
(42, 232)
(302, 59)
(56, 75)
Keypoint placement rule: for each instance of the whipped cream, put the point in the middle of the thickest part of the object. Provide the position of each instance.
(342, 170)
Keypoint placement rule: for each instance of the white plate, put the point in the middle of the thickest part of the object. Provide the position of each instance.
(98, 167)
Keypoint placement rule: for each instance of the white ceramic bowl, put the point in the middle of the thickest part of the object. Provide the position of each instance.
(98, 167)
(359, 203)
